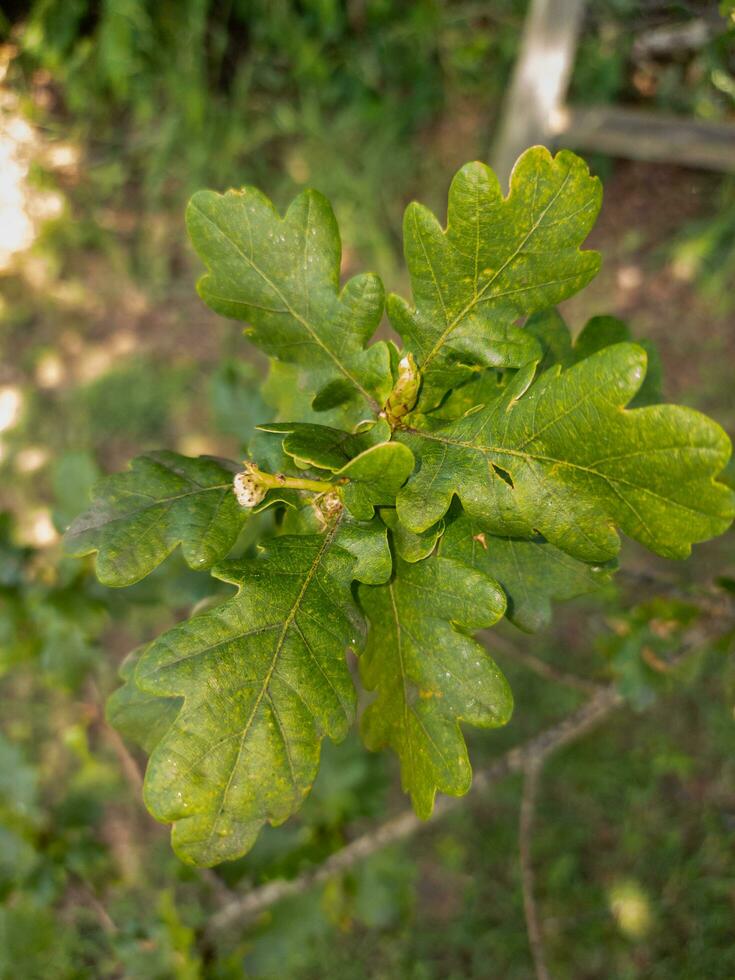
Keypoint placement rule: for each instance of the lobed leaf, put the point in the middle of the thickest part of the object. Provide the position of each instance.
(532, 572)
(366, 541)
(409, 545)
(545, 443)
(497, 259)
(375, 477)
(429, 675)
(561, 457)
(325, 447)
(138, 517)
(141, 717)
(368, 472)
(555, 339)
(263, 679)
(281, 275)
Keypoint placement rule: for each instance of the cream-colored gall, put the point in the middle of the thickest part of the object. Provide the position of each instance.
(248, 490)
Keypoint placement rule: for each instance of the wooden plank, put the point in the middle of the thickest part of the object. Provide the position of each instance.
(643, 135)
(673, 38)
(540, 79)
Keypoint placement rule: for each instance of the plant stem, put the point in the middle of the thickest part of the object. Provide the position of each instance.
(273, 481)
(243, 907)
(531, 773)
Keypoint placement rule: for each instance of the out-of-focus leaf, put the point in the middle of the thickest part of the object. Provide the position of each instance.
(532, 572)
(138, 517)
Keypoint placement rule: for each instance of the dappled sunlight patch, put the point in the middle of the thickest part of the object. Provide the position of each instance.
(50, 370)
(631, 908)
(11, 403)
(36, 528)
(32, 459)
(22, 208)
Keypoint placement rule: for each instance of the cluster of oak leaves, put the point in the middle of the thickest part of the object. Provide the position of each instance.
(421, 494)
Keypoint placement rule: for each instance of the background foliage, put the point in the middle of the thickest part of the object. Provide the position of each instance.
(115, 112)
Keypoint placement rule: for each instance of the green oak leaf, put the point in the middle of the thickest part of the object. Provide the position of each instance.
(264, 679)
(281, 275)
(479, 390)
(553, 334)
(498, 259)
(550, 329)
(140, 717)
(366, 480)
(550, 447)
(409, 545)
(375, 477)
(366, 541)
(429, 674)
(728, 475)
(555, 340)
(289, 390)
(532, 572)
(560, 456)
(326, 447)
(604, 331)
(139, 516)
(600, 332)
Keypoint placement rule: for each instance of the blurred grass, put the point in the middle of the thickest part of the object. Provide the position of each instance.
(132, 105)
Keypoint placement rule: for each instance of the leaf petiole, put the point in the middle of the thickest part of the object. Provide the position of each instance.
(273, 481)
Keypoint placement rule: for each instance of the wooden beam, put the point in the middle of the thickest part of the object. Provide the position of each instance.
(540, 79)
(643, 135)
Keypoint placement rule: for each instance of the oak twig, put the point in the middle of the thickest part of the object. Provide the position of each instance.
(544, 669)
(526, 757)
(525, 837)
(244, 907)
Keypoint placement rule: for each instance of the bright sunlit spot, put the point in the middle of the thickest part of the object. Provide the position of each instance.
(22, 207)
(39, 530)
(16, 226)
(11, 401)
(631, 908)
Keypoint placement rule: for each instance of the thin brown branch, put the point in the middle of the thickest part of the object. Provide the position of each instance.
(80, 893)
(525, 841)
(244, 907)
(132, 772)
(711, 599)
(542, 668)
(128, 763)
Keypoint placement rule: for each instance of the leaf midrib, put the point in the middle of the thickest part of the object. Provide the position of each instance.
(294, 313)
(528, 457)
(328, 538)
(478, 295)
(160, 502)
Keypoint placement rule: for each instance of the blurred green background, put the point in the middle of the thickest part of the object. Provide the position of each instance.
(111, 114)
